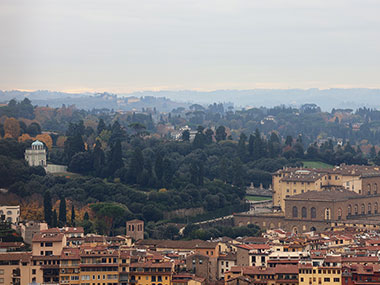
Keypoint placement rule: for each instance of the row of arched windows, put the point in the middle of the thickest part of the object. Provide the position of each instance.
(372, 190)
(313, 212)
(354, 211)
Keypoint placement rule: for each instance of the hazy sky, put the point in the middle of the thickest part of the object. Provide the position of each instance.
(129, 45)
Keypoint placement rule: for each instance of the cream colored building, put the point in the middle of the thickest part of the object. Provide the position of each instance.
(36, 155)
(11, 213)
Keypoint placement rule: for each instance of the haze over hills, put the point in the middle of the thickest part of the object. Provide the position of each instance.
(166, 100)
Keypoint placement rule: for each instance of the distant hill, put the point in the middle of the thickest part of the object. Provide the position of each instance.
(165, 101)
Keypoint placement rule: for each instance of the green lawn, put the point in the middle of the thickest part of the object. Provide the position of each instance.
(257, 198)
(316, 164)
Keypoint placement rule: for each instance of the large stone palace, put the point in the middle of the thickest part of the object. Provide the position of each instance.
(319, 199)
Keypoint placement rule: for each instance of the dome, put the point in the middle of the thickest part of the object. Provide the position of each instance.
(37, 143)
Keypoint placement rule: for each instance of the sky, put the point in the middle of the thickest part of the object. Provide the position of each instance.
(133, 45)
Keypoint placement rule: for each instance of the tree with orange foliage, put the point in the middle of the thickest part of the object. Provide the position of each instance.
(24, 138)
(45, 138)
(61, 141)
(12, 127)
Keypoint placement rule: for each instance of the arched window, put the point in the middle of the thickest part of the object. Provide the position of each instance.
(327, 214)
(375, 208)
(295, 212)
(356, 209)
(9, 213)
(362, 209)
(304, 212)
(313, 213)
(349, 210)
(369, 209)
(369, 189)
(339, 214)
(375, 189)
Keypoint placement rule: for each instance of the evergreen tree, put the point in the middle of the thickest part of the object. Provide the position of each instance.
(116, 158)
(208, 136)
(86, 217)
(289, 141)
(48, 208)
(258, 146)
(167, 173)
(73, 145)
(186, 135)
(220, 134)
(55, 219)
(372, 153)
(241, 148)
(62, 212)
(72, 215)
(117, 133)
(137, 165)
(199, 140)
(250, 144)
(158, 168)
(98, 158)
(101, 126)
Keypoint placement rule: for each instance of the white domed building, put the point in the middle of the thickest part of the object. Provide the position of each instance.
(36, 155)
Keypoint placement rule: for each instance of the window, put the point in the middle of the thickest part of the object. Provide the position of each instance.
(369, 208)
(304, 212)
(295, 212)
(326, 279)
(339, 214)
(369, 189)
(375, 189)
(362, 209)
(295, 191)
(313, 213)
(349, 210)
(327, 214)
(375, 208)
(356, 209)
(336, 279)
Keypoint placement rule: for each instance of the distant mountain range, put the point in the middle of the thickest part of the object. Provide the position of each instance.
(167, 100)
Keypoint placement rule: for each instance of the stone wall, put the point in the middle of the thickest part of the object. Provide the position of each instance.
(183, 213)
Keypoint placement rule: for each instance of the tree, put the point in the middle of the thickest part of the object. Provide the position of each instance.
(62, 212)
(186, 135)
(137, 165)
(289, 141)
(116, 158)
(199, 140)
(208, 136)
(12, 127)
(101, 126)
(46, 139)
(220, 134)
(81, 162)
(73, 145)
(48, 216)
(33, 129)
(158, 168)
(98, 158)
(241, 146)
(72, 215)
(55, 219)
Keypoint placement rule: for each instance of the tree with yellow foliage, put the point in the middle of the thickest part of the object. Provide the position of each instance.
(12, 127)
(45, 138)
(24, 138)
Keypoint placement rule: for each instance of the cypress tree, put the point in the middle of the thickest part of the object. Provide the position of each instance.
(48, 208)
(55, 219)
(116, 161)
(158, 168)
(62, 212)
(72, 215)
